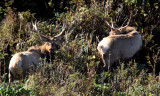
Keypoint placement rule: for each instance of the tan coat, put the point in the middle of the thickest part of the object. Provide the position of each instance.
(116, 47)
(24, 62)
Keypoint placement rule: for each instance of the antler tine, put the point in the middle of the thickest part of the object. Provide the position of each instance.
(128, 20)
(63, 29)
(64, 26)
(112, 27)
(123, 23)
(35, 27)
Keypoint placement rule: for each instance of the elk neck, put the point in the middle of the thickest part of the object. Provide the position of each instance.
(41, 50)
(44, 50)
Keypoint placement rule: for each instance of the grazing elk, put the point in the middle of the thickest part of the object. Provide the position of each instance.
(22, 62)
(122, 43)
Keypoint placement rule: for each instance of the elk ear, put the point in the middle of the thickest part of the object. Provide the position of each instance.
(45, 39)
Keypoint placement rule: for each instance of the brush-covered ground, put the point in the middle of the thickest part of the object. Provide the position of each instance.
(77, 67)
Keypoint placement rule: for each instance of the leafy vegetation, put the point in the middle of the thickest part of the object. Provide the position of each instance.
(77, 67)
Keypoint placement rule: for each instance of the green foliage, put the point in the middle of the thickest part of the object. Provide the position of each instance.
(15, 90)
(130, 2)
(1, 13)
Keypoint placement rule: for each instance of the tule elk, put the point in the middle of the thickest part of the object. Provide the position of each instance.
(122, 43)
(21, 63)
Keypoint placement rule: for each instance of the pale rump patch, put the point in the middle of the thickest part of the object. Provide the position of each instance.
(104, 45)
(16, 61)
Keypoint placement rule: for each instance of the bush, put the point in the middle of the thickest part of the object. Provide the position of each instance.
(15, 90)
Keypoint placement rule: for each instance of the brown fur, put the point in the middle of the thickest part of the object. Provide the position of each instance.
(42, 50)
(122, 30)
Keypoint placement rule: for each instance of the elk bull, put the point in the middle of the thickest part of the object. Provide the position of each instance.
(122, 43)
(22, 62)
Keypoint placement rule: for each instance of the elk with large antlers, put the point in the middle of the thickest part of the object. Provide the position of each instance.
(122, 43)
(22, 62)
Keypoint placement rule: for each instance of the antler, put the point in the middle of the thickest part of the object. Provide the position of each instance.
(63, 30)
(66, 28)
(128, 21)
(112, 27)
(35, 29)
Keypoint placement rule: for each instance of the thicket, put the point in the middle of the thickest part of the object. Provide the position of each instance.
(77, 67)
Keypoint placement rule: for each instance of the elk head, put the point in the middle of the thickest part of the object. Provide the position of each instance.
(50, 43)
(121, 30)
